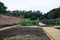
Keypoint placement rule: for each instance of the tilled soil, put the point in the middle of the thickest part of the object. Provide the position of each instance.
(37, 33)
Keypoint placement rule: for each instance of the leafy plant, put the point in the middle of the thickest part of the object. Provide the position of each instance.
(29, 23)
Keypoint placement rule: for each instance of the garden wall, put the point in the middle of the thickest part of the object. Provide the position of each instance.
(10, 20)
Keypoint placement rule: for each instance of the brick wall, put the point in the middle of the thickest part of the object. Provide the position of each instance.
(10, 20)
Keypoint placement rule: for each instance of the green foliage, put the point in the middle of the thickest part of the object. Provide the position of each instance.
(29, 23)
(2, 8)
(33, 15)
(54, 13)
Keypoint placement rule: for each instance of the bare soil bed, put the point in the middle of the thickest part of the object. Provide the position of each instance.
(36, 33)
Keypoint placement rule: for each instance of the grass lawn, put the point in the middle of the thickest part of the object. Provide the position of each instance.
(29, 23)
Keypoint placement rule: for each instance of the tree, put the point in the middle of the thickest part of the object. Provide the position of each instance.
(2, 8)
(15, 13)
(53, 14)
(57, 13)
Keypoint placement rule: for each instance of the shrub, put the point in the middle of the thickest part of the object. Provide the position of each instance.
(29, 23)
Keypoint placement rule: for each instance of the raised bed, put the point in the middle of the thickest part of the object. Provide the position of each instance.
(21, 32)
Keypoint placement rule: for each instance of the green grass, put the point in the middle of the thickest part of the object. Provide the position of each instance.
(29, 23)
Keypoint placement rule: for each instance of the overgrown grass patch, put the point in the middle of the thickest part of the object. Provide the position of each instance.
(29, 23)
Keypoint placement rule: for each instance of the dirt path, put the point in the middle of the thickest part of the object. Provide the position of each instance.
(41, 24)
(52, 32)
(4, 28)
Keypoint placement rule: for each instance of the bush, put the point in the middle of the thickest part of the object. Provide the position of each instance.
(29, 23)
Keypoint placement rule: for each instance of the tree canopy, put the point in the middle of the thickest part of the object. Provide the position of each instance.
(2, 8)
(33, 15)
(54, 13)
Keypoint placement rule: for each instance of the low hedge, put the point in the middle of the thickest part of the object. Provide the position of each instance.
(29, 23)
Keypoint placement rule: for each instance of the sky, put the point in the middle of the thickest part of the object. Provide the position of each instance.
(41, 5)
